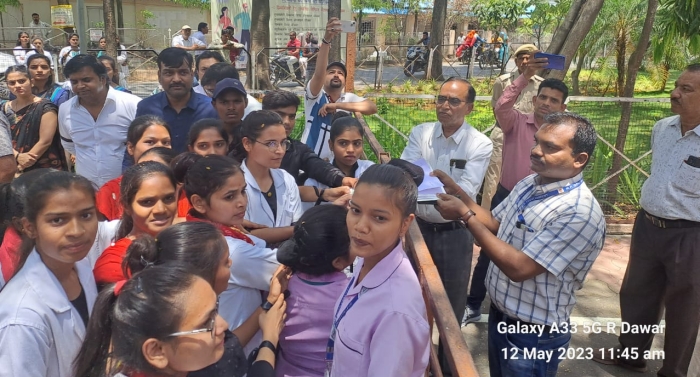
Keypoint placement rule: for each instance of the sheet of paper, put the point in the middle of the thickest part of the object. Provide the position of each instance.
(429, 182)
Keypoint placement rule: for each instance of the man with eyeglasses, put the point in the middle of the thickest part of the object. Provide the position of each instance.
(453, 146)
(519, 112)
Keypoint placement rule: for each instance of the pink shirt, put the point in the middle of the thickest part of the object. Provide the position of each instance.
(518, 135)
(303, 340)
(386, 332)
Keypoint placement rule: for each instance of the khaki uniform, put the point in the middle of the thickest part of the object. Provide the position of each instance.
(524, 104)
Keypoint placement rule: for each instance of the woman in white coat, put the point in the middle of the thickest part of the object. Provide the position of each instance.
(273, 195)
(46, 305)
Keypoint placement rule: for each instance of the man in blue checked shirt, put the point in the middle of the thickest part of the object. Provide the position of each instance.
(542, 240)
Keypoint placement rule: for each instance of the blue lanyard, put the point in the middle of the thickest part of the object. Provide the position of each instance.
(336, 322)
(546, 195)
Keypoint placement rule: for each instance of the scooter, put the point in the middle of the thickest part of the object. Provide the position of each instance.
(279, 70)
(416, 60)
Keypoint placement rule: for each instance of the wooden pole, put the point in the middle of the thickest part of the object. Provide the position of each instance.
(350, 56)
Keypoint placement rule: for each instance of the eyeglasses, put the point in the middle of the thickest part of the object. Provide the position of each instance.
(454, 102)
(273, 145)
(210, 328)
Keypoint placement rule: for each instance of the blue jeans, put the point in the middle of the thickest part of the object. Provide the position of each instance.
(507, 356)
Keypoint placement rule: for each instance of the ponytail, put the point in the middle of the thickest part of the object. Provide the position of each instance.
(142, 253)
(92, 361)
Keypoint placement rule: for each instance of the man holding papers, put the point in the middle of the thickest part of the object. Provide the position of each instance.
(453, 146)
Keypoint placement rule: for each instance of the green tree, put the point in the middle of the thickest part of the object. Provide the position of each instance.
(679, 23)
(8, 3)
(202, 5)
(359, 7)
(499, 14)
(543, 18)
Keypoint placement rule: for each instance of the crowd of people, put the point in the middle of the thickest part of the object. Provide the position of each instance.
(196, 237)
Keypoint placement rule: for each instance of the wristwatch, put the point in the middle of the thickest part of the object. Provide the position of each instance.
(266, 305)
(254, 355)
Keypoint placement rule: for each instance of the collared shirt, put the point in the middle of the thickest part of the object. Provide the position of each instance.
(178, 40)
(288, 200)
(672, 191)
(519, 130)
(427, 141)
(198, 107)
(41, 332)
(294, 45)
(251, 271)
(41, 29)
(524, 101)
(385, 333)
(317, 128)
(253, 103)
(98, 145)
(310, 306)
(198, 35)
(563, 233)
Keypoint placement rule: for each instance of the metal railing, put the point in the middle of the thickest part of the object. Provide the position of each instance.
(439, 309)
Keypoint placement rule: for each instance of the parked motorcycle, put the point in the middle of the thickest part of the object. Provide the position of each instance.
(416, 60)
(279, 70)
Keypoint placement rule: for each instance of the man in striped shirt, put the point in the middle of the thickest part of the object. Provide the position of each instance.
(542, 239)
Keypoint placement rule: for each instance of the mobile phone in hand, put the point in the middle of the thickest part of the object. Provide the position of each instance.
(347, 26)
(554, 61)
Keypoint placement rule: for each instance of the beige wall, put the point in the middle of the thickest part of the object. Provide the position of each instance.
(168, 15)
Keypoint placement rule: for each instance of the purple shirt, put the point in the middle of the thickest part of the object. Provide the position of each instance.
(304, 338)
(385, 333)
(518, 135)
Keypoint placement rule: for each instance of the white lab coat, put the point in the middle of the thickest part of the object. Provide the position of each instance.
(40, 330)
(288, 200)
(251, 271)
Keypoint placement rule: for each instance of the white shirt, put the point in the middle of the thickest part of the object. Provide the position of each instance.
(467, 143)
(672, 191)
(68, 53)
(46, 53)
(99, 145)
(317, 129)
(253, 103)
(41, 29)
(40, 330)
(106, 232)
(21, 55)
(178, 40)
(460, 40)
(251, 272)
(288, 200)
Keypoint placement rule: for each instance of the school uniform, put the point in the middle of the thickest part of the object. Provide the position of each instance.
(385, 332)
(288, 200)
(251, 271)
(40, 330)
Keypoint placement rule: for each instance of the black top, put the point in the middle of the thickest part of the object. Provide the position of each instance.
(353, 170)
(232, 364)
(80, 304)
(300, 157)
(271, 199)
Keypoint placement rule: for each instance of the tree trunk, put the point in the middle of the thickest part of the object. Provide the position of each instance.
(665, 71)
(120, 21)
(575, 90)
(334, 11)
(620, 55)
(562, 31)
(633, 65)
(110, 30)
(437, 31)
(578, 31)
(260, 30)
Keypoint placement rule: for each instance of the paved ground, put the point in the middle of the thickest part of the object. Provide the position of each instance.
(597, 301)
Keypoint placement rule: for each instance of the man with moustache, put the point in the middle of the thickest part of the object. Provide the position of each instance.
(325, 96)
(93, 124)
(542, 239)
(662, 272)
(451, 144)
(518, 132)
(177, 104)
